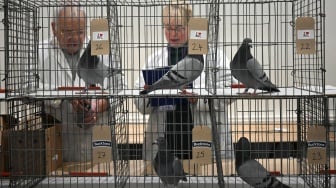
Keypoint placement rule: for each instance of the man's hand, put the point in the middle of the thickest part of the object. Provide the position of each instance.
(90, 108)
(85, 106)
(100, 105)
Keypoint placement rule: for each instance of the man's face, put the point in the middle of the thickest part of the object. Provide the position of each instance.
(70, 33)
(176, 31)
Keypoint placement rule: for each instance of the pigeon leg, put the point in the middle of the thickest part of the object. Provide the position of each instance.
(192, 99)
(245, 92)
(183, 91)
(255, 92)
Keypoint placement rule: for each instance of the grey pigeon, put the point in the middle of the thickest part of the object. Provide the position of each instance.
(180, 75)
(251, 171)
(92, 69)
(246, 69)
(168, 167)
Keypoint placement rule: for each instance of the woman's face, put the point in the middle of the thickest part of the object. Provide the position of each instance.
(176, 31)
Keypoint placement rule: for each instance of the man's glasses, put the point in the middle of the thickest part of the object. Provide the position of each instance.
(71, 33)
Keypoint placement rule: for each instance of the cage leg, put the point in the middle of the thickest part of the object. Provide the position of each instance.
(215, 140)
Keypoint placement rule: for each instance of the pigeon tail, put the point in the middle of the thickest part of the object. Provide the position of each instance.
(144, 92)
(168, 168)
(278, 184)
(270, 89)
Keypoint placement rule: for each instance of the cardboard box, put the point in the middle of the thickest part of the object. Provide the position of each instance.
(32, 152)
(27, 152)
(3, 154)
(53, 142)
(35, 152)
(6, 121)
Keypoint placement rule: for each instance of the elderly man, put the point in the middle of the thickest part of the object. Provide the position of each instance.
(58, 66)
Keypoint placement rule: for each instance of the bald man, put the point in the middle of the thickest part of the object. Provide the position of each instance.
(57, 67)
(69, 28)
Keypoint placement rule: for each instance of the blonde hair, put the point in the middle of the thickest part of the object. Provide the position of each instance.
(176, 10)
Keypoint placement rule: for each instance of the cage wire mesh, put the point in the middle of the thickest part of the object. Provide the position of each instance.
(3, 109)
(47, 147)
(332, 132)
(308, 117)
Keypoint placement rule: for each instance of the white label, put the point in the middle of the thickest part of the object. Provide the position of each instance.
(55, 157)
(198, 34)
(100, 35)
(306, 34)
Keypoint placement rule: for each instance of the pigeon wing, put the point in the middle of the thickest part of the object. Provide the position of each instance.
(94, 75)
(181, 74)
(255, 70)
(253, 173)
(178, 170)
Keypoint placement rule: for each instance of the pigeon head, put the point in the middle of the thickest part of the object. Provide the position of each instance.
(161, 142)
(247, 42)
(243, 144)
(243, 150)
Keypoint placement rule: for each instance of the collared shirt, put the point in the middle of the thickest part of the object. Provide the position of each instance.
(72, 60)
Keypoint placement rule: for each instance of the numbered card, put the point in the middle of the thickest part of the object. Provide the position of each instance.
(305, 35)
(198, 36)
(100, 37)
(317, 145)
(101, 144)
(202, 145)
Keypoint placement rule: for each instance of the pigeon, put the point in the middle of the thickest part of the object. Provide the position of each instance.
(92, 69)
(168, 167)
(251, 171)
(246, 69)
(180, 75)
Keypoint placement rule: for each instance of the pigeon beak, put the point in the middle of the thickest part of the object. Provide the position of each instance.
(250, 45)
(155, 142)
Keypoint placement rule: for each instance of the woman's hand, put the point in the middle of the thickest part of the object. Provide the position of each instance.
(193, 99)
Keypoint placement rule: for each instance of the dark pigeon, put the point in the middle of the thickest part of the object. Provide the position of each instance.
(246, 69)
(92, 69)
(180, 75)
(251, 171)
(168, 167)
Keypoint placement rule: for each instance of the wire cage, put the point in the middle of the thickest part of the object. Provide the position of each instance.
(141, 46)
(332, 133)
(50, 140)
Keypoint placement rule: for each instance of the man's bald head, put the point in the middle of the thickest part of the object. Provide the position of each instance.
(69, 12)
(69, 27)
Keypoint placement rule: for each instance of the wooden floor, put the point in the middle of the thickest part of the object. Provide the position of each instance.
(256, 133)
(143, 168)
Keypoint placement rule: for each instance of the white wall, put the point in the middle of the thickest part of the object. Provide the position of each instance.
(129, 55)
(330, 38)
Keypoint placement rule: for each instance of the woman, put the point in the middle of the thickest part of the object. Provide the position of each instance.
(175, 122)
